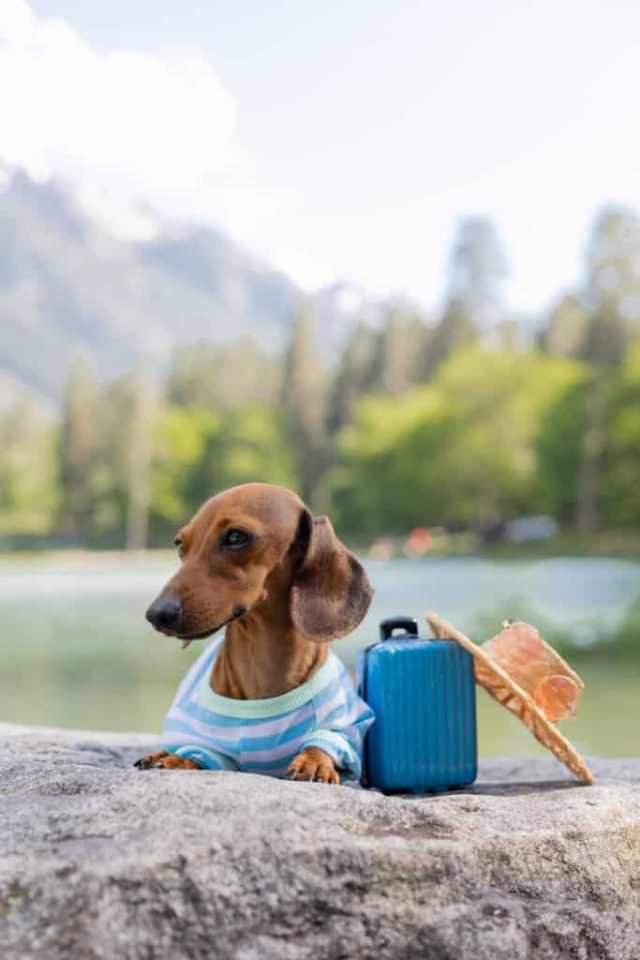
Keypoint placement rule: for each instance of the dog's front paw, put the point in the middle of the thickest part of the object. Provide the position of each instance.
(164, 761)
(313, 764)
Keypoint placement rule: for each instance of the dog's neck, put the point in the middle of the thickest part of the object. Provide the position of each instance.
(263, 655)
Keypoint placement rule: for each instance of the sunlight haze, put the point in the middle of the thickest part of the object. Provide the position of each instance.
(336, 141)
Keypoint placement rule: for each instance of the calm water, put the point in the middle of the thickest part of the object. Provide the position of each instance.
(78, 653)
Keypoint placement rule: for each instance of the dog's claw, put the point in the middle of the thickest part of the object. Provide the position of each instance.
(313, 766)
(150, 760)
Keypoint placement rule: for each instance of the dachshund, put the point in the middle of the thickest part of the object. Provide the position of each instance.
(270, 696)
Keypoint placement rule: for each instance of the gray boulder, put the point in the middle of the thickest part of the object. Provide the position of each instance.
(99, 860)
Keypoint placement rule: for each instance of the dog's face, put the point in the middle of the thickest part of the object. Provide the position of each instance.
(248, 543)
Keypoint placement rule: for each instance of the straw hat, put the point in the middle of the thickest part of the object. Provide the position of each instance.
(493, 676)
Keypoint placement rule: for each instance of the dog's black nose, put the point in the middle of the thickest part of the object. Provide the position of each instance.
(164, 613)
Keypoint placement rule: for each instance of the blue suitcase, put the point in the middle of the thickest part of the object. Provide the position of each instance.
(423, 694)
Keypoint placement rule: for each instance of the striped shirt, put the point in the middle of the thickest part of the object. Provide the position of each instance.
(263, 736)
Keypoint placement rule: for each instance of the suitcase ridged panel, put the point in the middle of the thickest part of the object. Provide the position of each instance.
(423, 695)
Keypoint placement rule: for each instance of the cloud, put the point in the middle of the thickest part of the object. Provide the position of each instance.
(136, 136)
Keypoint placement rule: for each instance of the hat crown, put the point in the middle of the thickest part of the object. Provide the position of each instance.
(537, 669)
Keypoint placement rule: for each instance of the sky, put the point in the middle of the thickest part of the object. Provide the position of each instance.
(341, 140)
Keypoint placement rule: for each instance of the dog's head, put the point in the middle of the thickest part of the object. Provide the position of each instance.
(252, 545)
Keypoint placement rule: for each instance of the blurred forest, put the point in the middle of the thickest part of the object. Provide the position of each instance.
(462, 422)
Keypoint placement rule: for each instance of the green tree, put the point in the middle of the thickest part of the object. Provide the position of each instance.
(352, 378)
(304, 398)
(454, 332)
(126, 422)
(77, 449)
(398, 349)
(221, 376)
(459, 451)
(184, 437)
(255, 446)
(620, 494)
(613, 291)
(566, 330)
(142, 415)
(559, 450)
(28, 487)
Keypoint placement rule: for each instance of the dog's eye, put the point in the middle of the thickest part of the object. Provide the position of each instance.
(235, 539)
(180, 545)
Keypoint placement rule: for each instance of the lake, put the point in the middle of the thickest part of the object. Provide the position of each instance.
(78, 652)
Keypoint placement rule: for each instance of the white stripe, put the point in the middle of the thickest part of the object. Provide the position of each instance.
(346, 719)
(340, 700)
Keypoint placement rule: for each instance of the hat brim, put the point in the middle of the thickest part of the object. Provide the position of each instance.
(499, 684)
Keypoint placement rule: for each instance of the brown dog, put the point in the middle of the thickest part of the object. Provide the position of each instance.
(254, 560)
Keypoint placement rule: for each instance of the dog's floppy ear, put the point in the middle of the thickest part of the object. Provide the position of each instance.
(331, 592)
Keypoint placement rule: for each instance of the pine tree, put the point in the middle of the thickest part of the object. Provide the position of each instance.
(352, 378)
(566, 329)
(304, 403)
(477, 269)
(223, 376)
(454, 332)
(77, 446)
(398, 348)
(144, 398)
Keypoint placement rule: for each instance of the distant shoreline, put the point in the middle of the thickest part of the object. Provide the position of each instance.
(609, 544)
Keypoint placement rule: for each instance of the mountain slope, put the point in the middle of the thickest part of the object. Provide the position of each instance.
(68, 287)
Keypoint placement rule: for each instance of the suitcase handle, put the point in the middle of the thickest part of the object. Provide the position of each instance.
(408, 624)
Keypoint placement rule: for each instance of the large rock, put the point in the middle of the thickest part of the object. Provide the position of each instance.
(100, 860)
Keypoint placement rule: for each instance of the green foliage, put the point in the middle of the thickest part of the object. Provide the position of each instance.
(182, 436)
(620, 493)
(560, 447)
(304, 405)
(76, 447)
(454, 332)
(255, 447)
(457, 452)
(559, 451)
(28, 482)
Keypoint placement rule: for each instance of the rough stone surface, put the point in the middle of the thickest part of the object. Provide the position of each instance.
(98, 860)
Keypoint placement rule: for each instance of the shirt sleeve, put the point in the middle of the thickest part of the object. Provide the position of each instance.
(205, 757)
(341, 733)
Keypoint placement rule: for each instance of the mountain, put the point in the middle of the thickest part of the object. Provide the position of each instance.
(67, 287)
